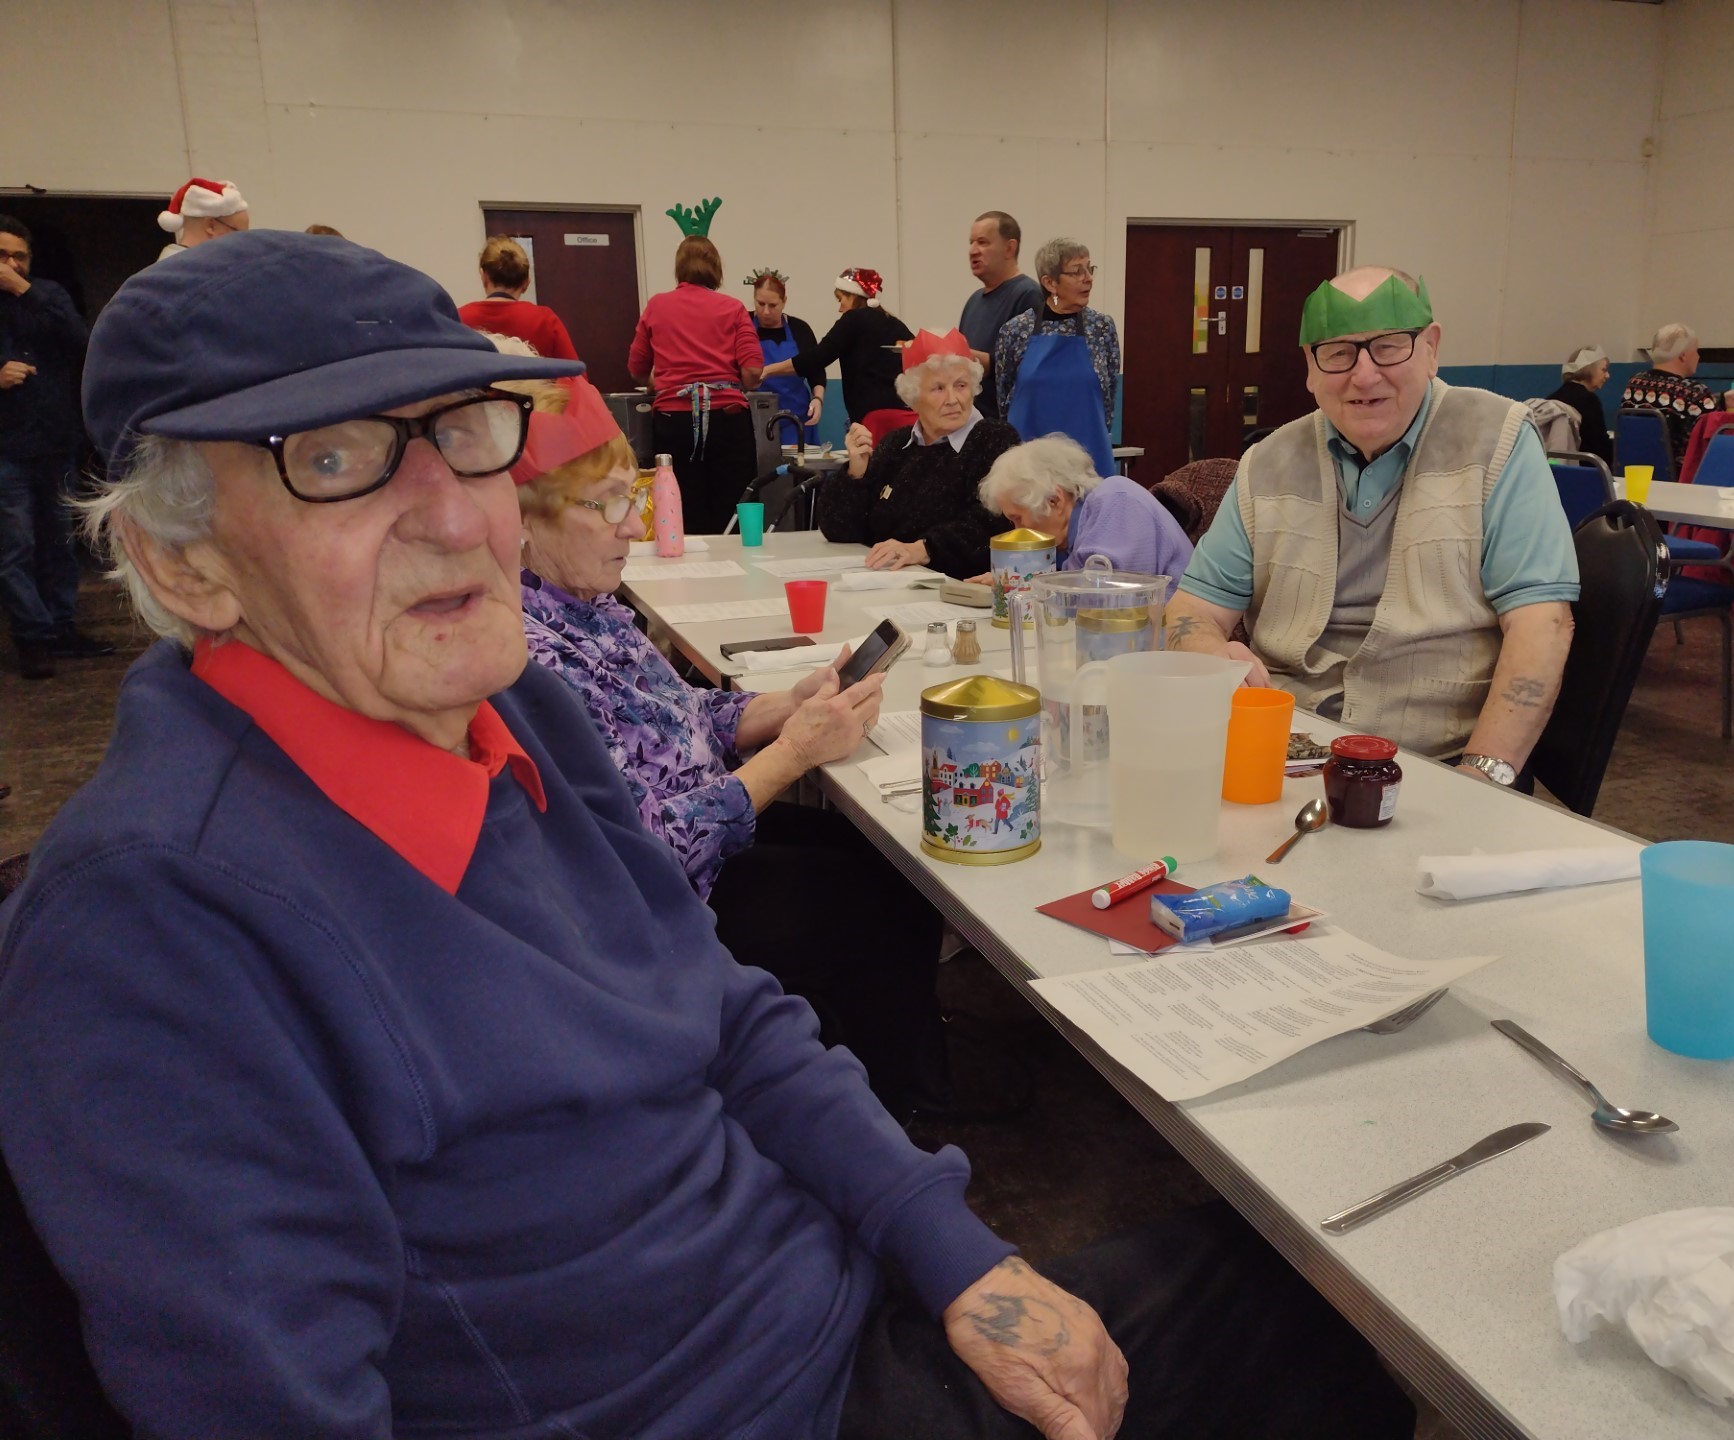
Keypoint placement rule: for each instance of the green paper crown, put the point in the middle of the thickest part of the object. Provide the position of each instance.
(695, 220)
(1329, 313)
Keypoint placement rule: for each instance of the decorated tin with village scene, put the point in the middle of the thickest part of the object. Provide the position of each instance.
(1014, 557)
(981, 771)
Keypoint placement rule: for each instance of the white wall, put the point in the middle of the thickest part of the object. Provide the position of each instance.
(1472, 140)
(1690, 272)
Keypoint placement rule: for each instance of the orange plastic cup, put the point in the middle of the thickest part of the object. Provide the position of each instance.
(1257, 756)
(806, 605)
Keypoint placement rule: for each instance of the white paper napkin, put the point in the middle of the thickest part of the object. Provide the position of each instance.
(912, 578)
(898, 768)
(1468, 877)
(648, 547)
(799, 657)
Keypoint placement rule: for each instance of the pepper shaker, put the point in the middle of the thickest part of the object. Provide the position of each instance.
(966, 649)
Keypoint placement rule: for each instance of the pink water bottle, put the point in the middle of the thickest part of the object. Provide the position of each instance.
(665, 492)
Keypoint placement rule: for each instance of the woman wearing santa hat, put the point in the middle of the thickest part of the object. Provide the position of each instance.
(202, 210)
(864, 342)
(912, 496)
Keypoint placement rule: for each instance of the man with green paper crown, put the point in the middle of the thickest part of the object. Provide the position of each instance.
(1399, 556)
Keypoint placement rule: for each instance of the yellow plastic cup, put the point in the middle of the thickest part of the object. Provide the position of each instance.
(1638, 479)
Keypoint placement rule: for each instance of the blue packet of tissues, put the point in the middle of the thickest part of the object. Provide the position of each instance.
(1215, 908)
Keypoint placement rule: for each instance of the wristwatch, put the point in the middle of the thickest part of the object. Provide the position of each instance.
(1500, 772)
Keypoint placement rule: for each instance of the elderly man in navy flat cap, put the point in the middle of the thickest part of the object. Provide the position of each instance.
(367, 1070)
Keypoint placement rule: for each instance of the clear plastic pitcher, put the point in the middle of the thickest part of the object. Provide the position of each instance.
(1081, 619)
(1170, 715)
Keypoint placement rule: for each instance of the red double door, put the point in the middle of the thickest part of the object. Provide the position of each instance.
(1211, 335)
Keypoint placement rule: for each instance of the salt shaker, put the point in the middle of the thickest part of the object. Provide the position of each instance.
(938, 651)
(966, 649)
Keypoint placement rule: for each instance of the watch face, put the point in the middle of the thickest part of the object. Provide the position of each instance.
(1501, 772)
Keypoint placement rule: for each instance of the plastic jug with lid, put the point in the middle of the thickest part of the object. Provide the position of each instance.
(1081, 618)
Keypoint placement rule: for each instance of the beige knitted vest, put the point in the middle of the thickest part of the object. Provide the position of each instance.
(1422, 672)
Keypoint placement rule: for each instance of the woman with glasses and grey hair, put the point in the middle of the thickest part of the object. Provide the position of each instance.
(1056, 365)
(1050, 485)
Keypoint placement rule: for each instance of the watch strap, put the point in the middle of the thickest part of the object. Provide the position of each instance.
(1500, 772)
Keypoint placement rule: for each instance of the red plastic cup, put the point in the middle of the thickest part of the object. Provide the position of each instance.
(806, 605)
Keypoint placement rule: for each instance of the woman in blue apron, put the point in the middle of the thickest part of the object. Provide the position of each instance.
(1057, 365)
(781, 337)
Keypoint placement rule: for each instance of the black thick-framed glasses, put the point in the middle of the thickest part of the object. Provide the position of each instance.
(480, 435)
(1338, 357)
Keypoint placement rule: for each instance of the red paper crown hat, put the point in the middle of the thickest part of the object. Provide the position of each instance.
(201, 199)
(586, 425)
(926, 345)
(858, 280)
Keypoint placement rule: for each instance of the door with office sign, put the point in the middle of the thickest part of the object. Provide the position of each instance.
(586, 272)
(1211, 320)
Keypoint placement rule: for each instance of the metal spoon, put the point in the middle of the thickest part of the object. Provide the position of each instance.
(1608, 1116)
(1313, 816)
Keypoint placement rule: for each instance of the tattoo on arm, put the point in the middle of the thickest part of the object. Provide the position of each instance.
(1182, 628)
(1019, 1322)
(1524, 693)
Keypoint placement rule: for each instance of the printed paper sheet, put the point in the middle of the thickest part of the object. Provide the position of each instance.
(637, 570)
(1188, 1022)
(699, 612)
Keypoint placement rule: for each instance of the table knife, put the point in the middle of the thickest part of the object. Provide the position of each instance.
(1496, 1144)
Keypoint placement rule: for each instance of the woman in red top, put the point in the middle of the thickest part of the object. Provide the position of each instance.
(506, 276)
(699, 352)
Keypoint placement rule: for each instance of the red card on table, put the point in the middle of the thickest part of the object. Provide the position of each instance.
(1129, 921)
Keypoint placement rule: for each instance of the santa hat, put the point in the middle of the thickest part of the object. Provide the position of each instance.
(201, 199)
(927, 346)
(586, 424)
(863, 282)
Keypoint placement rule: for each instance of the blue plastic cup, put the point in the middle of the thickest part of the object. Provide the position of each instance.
(752, 517)
(1688, 890)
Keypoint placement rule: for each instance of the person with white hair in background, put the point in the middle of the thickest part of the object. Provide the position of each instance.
(1584, 373)
(1056, 366)
(912, 497)
(202, 210)
(1668, 386)
(1050, 485)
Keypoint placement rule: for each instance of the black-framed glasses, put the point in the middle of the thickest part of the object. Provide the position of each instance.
(1337, 357)
(480, 435)
(616, 507)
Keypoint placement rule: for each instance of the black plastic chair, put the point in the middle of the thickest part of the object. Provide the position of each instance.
(1641, 438)
(48, 1390)
(1622, 567)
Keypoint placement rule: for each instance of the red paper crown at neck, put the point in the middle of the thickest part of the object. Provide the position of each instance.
(926, 345)
(586, 425)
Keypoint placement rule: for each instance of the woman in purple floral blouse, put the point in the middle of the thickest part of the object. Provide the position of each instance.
(705, 766)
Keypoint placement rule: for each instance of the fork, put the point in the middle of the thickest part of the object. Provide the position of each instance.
(1407, 1016)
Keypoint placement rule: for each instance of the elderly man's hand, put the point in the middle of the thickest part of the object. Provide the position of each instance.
(895, 554)
(1042, 1353)
(14, 372)
(828, 726)
(1258, 676)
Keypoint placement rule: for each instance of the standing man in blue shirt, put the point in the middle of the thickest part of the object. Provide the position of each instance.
(42, 339)
(1399, 556)
(994, 242)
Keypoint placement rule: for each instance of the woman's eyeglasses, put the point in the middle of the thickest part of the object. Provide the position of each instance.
(615, 508)
(1078, 272)
(478, 436)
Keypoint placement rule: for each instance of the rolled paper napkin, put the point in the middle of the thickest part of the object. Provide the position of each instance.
(801, 657)
(1468, 877)
(910, 578)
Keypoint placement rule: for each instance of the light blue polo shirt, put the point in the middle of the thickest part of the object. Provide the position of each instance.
(1526, 550)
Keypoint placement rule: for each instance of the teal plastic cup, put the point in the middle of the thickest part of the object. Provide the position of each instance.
(1688, 890)
(752, 517)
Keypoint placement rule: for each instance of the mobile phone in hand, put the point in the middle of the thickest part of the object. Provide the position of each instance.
(878, 652)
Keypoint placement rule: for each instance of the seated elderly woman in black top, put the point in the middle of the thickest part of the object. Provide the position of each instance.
(912, 497)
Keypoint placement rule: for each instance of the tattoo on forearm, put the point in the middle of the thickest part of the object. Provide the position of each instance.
(1019, 1322)
(1182, 628)
(1524, 693)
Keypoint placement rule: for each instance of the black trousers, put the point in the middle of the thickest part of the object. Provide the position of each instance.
(815, 904)
(1224, 1341)
(711, 482)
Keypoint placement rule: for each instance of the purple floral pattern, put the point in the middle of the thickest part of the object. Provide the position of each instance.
(674, 744)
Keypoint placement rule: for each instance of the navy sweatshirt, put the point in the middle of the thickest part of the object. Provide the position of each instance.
(325, 1151)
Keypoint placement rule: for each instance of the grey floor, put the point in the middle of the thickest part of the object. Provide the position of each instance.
(1079, 1163)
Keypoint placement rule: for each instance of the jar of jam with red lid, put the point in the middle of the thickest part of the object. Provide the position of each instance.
(1362, 779)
